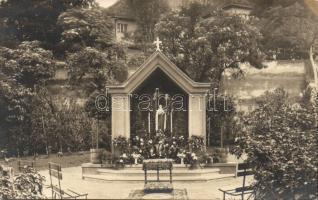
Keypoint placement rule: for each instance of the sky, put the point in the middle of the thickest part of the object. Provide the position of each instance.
(105, 3)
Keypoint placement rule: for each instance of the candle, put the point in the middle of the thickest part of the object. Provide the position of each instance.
(149, 122)
(171, 130)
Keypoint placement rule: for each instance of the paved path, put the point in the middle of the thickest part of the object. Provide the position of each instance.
(120, 190)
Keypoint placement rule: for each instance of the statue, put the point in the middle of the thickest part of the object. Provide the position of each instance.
(160, 119)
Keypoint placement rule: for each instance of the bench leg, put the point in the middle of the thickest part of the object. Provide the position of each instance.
(223, 195)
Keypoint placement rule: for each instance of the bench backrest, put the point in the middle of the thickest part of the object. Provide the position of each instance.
(55, 171)
(243, 170)
(25, 163)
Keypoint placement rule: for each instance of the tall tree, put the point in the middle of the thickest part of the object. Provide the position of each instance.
(28, 64)
(103, 67)
(85, 28)
(147, 14)
(291, 32)
(36, 19)
(88, 39)
(23, 70)
(204, 49)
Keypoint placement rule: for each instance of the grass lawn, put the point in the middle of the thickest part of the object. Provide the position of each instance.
(41, 162)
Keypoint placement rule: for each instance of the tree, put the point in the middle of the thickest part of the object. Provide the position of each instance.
(36, 20)
(85, 28)
(204, 49)
(29, 64)
(147, 13)
(262, 6)
(279, 138)
(294, 30)
(104, 67)
(88, 38)
(23, 71)
(16, 108)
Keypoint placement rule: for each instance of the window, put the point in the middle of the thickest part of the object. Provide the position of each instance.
(122, 28)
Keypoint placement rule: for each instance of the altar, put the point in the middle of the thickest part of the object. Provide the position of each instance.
(160, 97)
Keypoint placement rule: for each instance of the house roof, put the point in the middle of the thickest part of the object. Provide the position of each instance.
(122, 10)
(155, 61)
(236, 4)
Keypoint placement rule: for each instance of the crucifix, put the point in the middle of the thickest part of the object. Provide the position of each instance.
(157, 43)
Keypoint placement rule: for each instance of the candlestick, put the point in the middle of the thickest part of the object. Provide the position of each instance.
(149, 123)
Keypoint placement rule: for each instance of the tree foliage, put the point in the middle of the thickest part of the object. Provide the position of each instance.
(85, 28)
(26, 185)
(290, 31)
(279, 138)
(29, 20)
(103, 67)
(205, 49)
(147, 13)
(29, 64)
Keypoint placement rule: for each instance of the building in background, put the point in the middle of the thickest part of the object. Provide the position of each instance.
(238, 7)
(125, 21)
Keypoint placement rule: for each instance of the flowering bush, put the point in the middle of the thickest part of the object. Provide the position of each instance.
(280, 140)
(27, 185)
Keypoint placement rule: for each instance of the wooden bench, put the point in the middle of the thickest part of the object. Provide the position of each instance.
(22, 164)
(55, 172)
(243, 170)
(157, 185)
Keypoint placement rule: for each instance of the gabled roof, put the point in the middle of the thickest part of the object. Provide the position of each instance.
(155, 61)
(237, 4)
(122, 10)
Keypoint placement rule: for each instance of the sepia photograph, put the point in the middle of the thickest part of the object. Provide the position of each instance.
(159, 99)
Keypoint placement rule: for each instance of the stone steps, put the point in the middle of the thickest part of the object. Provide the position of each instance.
(175, 172)
(137, 178)
(179, 173)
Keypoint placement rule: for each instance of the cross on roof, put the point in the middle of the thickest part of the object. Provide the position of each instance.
(157, 43)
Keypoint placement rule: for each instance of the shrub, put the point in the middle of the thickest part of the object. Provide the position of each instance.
(27, 185)
(280, 140)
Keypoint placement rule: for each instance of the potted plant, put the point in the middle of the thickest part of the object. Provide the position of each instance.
(191, 159)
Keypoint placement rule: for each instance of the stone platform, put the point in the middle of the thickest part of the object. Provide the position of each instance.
(179, 173)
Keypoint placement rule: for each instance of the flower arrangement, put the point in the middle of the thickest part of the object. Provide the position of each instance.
(160, 146)
(196, 143)
(154, 164)
(181, 155)
(121, 143)
(192, 160)
(136, 157)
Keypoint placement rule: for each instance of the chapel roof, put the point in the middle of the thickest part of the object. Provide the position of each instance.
(159, 61)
